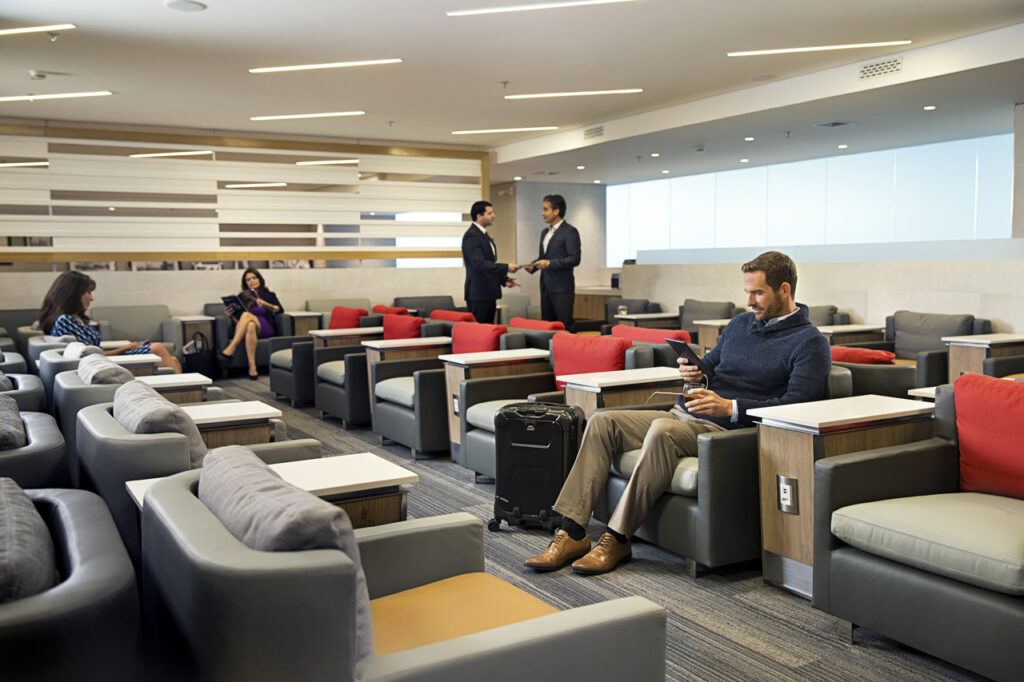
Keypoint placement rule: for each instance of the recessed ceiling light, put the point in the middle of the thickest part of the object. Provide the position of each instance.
(253, 185)
(328, 114)
(580, 93)
(25, 164)
(503, 130)
(665, 172)
(58, 95)
(581, 167)
(184, 5)
(330, 65)
(597, 182)
(518, 178)
(816, 48)
(930, 107)
(327, 162)
(841, 146)
(655, 155)
(37, 29)
(111, 208)
(744, 160)
(748, 138)
(530, 8)
(155, 155)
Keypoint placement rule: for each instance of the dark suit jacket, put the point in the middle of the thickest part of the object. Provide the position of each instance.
(484, 274)
(563, 253)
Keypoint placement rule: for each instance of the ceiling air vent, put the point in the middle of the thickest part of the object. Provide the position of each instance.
(834, 124)
(882, 68)
(596, 131)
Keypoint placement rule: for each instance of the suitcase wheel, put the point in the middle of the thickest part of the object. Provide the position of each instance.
(494, 525)
(543, 516)
(517, 516)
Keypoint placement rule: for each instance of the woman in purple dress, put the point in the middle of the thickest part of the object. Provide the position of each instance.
(258, 322)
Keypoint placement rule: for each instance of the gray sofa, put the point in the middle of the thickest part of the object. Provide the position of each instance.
(693, 310)
(150, 322)
(241, 614)
(87, 626)
(28, 392)
(42, 463)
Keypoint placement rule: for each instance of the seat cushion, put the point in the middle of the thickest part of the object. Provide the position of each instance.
(573, 354)
(12, 429)
(862, 356)
(649, 335)
(27, 559)
(282, 359)
(970, 537)
(138, 408)
(481, 415)
(402, 326)
(540, 325)
(684, 479)
(97, 369)
(470, 337)
(343, 317)
(990, 428)
(916, 332)
(332, 372)
(400, 390)
(449, 608)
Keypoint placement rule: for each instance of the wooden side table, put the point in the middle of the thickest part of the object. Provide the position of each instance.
(838, 334)
(241, 423)
(650, 320)
(140, 365)
(708, 332)
(191, 324)
(304, 322)
(622, 387)
(588, 303)
(968, 353)
(344, 337)
(179, 388)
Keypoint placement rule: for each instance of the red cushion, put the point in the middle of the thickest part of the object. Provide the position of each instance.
(345, 318)
(402, 326)
(452, 316)
(649, 335)
(862, 356)
(990, 428)
(576, 354)
(523, 323)
(390, 310)
(470, 337)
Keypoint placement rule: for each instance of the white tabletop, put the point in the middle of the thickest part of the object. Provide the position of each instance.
(352, 331)
(926, 392)
(647, 316)
(305, 313)
(114, 343)
(840, 411)
(841, 328)
(222, 413)
(194, 318)
(721, 322)
(484, 357)
(137, 359)
(984, 340)
(186, 380)
(391, 344)
(595, 381)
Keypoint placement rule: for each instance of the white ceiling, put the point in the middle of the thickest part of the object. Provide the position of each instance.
(189, 70)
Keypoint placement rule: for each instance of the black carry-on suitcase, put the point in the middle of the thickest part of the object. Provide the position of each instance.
(535, 445)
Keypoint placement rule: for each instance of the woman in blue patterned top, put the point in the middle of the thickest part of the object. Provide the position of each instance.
(64, 314)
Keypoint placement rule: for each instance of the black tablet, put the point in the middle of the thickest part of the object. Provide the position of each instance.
(683, 349)
(234, 303)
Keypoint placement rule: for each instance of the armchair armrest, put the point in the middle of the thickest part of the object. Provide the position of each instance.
(332, 353)
(476, 391)
(104, 327)
(547, 397)
(511, 341)
(288, 450)
(840, 318)
(389, 369)
(171, 332)
(371, 320)
(663, 405)
(434, 328)
(284, 323)
(639, 355)
(276, 343)
(1004, 366)
(932, 367)
(728, 495)
(444, 546)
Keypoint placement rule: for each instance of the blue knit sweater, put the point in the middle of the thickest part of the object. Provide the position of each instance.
(759, 365)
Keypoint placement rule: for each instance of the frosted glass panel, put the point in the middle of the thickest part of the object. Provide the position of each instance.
(617, 222)
(648, 215)
(994, 205)
(934, 189)
(693, 212)
(860, 198)
(740, 207)
(796, 203)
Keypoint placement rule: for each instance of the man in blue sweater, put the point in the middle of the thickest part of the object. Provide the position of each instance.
(769, 356)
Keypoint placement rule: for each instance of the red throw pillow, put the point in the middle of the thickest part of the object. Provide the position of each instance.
(470, 337)
(452, 316)
(402, 326)
(575, 354)
(862, 356)
(649, 335)
(345, 318)
(990, 429)
(390, 310)
(523, 323)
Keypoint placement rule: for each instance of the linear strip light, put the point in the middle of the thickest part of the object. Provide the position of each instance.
(155, 155)
(331, 65)
(530, 8)
(253, 185)
(37, 29)
(581, 93)
(24, 164)
(503, 130)
(59, 95)
(328, 114)
(817, 48)
(327, 162)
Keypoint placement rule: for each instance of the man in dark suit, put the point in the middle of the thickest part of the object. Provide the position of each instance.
(484, 274)
(559, 254)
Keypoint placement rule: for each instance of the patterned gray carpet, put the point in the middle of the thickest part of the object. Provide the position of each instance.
(727, 625)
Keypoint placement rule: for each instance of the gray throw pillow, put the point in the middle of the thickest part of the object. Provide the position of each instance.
(27, 561)
(917, 332)
(12, 430)
(140, 409)
(97, 369)
(5, 383)
(268, 514)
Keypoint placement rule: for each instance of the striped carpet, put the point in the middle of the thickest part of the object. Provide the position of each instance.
(727, 625)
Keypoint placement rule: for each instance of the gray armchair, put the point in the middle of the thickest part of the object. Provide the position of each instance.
(7, 344)
(826, 315)
(52, 362)
(87, 626)
(42, 462)
(150, 322)
(891, 380)
(241, 614)
(12, 363)
(409, 404)
(633, 306)
(28, 392)
(693, 309)
(341, 387)
(43, 342)
(224, 328)
(291, 367)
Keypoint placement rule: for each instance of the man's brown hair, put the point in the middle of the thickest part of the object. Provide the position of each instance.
(777, 268)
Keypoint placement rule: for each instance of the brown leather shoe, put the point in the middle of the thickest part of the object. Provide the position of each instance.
(606, 555)
(561, 550)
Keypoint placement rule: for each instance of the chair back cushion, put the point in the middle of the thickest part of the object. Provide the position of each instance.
(649, 335)
(134, 321)
(346, 318)
(5, 383)
(916, 332)
(821, 315)
(470, 337)
(390, 310)
(97, 369)
(574, 354)
(693, 309)
(990, 429)
(12, 429)
(540, 325)
(27, 560)
(452, 316)
(140, 409)
(267, 514)
(402, 326)
(862, 356)
(631, 306)
(76, 349)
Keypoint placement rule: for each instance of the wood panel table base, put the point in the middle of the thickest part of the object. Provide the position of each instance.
(454, 375)
(190, 329)
(374, 507)
(614, 396)
(964, 359)
(305, 324)
(839, 338)
(181, 397)
(248, 434)
(141, 370)
(353, 340)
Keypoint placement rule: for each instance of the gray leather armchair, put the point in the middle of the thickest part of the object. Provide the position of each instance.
(224, 328)
(341, 387)
(634, 306)
(150, 322)
(693, 309)
(42, 342)
(891, 380)
(42, 462)
(1008, 365)
(87, 626)
(28, 392)
(13, 363)
(241, 614)
(52, 362)
(410, 409)
(291, 367)
(826, 315)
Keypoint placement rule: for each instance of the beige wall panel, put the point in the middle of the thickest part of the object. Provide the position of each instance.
(79, 164)
(391, 228)
(102, 226)
(19, 146)
(49, 180)
(21, 196)
(286, 217)
(420, 165)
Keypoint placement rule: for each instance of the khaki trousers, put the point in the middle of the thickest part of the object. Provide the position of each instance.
(663, 438)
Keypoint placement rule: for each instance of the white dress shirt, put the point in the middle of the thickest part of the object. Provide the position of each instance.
(550, 233)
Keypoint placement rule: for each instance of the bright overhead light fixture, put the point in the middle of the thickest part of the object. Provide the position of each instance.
(24, 164)
(327, 114)
(655, 155)
(503, 130)
(37, 29)
(155, 155)
(581, 168)
(817, 48)
(842, 146)
(744, 160)
(518, 178)
(665, 172)
(530, 8)
(930, 107)
(579, 93)
(597, 182)
(327, 162)
(748, 138)
(57, 95)
(253, 185)
(330, 65)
